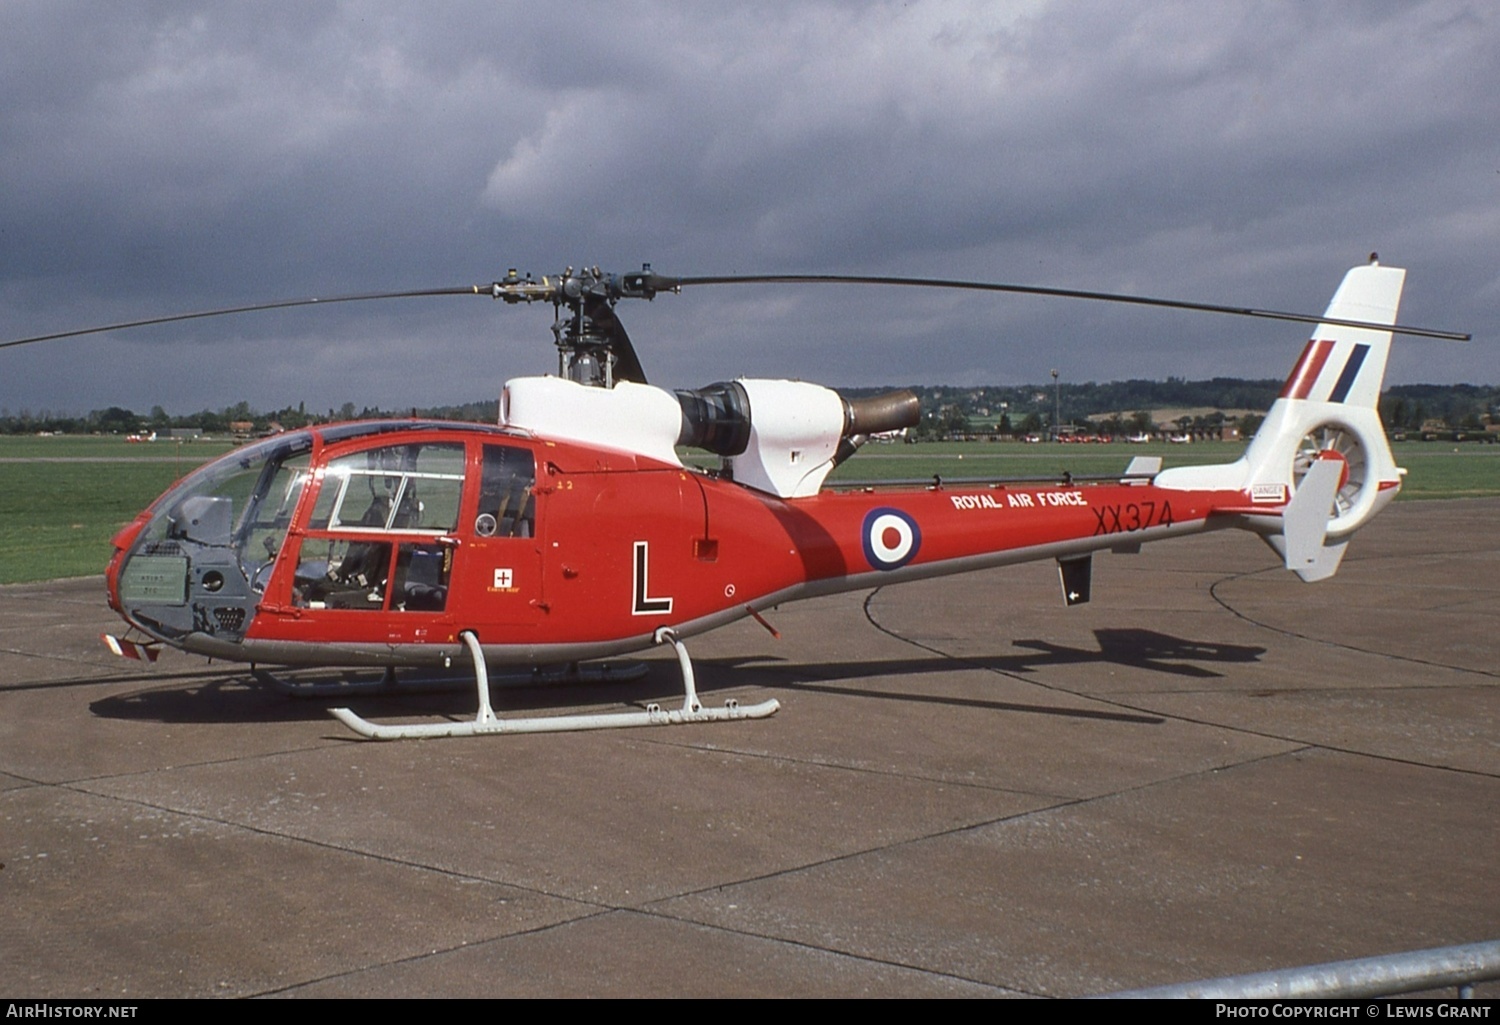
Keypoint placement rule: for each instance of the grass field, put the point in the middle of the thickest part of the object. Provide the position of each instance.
(1013, 459)
(1437, 470)
(62, 499)
(1434, 470)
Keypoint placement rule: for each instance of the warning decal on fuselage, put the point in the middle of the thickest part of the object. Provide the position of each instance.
(891, 538)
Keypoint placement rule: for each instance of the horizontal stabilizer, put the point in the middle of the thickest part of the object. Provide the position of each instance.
(1144, 466)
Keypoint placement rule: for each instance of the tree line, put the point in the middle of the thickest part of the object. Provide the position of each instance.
(1131, 407)
(1117, 407)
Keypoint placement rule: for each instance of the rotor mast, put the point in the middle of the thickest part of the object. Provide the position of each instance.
(592, 346)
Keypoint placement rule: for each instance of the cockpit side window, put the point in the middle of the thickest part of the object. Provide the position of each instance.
(409, 489)
(268, 512)
(507, 498)
(414, 488)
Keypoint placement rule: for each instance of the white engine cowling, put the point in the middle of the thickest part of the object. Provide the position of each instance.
(631, 417)
(782, 437)
(795, 429)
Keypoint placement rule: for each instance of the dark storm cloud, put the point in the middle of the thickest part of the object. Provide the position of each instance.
(182, 155)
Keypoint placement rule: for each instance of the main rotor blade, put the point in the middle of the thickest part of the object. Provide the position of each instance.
(1064, 293)
(485, 290)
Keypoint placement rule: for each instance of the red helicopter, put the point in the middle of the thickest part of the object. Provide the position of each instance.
(572, 530)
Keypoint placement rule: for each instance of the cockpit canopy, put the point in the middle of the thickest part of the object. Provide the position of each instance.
(203, 559)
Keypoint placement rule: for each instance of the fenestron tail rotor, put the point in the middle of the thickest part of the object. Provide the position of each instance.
(1341, 443)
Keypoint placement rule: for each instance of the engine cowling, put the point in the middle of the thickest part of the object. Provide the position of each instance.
(782, 437)
(785, 437)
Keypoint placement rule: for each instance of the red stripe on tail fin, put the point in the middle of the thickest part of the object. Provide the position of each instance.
(1305, 373)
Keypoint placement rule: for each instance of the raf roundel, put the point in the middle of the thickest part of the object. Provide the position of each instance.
(891, 538)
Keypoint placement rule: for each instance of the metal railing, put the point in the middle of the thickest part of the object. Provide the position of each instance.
(1388, 975)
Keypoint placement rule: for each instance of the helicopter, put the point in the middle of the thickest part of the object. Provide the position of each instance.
(573, 531)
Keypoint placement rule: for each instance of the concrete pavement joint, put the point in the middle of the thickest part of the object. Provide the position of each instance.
(599, 912)
(652, 907)
(824, 949)
(823, 763)
(962, 828)
(327, 845)
(870, 615)
(54, 657)
(1213, 591)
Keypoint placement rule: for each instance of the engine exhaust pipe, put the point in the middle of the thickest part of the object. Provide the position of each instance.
(874, 415)
(718, 418)
(879, 413)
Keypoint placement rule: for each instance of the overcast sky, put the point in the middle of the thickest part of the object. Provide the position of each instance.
(169, 156)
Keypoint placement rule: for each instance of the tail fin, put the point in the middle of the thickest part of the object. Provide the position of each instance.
(1326, 413)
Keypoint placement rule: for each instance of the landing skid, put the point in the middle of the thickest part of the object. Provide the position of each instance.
(486, 722)
(390, 683)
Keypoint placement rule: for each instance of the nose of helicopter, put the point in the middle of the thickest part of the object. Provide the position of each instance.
(122, 543)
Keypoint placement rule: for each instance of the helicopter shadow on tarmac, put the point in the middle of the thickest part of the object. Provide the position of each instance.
(1135, 648)
(238, 697)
